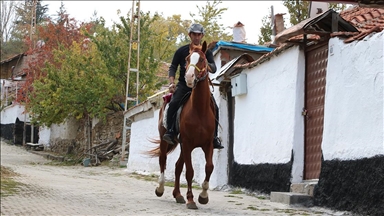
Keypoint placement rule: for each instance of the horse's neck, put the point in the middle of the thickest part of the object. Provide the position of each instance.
(201, 96)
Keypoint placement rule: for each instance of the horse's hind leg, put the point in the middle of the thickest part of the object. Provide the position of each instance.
(178, 169)
(162, 162)
(203, 197)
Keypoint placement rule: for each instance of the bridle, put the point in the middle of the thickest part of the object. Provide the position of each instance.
(200, 73)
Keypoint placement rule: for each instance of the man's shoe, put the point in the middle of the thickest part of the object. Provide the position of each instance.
(217, 143)
(168, 137)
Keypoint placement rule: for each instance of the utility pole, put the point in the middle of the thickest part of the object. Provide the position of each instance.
(134, 44)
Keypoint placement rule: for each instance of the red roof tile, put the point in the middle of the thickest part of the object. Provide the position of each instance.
(364, 18)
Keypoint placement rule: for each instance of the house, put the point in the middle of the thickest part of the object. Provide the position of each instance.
(144, 117)
(308, 114)
(12, 113)
(312, 113)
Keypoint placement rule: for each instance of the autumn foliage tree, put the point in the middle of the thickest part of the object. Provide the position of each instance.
(76, 84)
(51, 37)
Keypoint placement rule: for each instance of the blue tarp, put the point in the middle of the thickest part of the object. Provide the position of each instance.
(251, 47)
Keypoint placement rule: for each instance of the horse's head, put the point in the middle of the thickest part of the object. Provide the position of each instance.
(196, 69)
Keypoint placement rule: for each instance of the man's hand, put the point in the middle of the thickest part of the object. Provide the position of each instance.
(172, 87)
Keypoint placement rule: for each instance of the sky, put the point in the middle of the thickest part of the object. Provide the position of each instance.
(250, 13)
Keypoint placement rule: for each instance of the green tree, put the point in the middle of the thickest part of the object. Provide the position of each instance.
(19, 27)
(114, 45)
(337, 7)
(77, 84)
(209, 16)
(265, 30)
(166, 35)
(299, 9)
(24, 21)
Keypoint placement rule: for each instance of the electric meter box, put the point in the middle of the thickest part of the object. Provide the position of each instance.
(239, 84)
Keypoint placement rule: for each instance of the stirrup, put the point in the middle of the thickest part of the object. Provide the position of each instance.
(169, 138)
(217, 143)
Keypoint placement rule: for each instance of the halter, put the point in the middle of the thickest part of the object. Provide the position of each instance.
(202, 72)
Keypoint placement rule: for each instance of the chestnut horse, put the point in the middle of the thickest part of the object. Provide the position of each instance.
(196, 127)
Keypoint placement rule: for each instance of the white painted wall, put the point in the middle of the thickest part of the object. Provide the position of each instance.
(66, 130)
(144, 130)
(10, 113)
(353, 115)
(269, 115)
(44, 136)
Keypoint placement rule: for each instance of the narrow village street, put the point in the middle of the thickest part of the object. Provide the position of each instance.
(46, 188)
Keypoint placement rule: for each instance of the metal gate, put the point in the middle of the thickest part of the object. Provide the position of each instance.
(315, 74)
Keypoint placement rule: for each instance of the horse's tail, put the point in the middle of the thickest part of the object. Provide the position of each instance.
(156, 151)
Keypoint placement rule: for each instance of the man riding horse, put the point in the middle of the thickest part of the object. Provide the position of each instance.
(196, 33)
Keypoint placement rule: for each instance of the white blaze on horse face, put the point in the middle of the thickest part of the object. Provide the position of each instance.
(190, 72)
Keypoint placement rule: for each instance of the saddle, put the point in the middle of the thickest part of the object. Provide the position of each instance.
(167, 98)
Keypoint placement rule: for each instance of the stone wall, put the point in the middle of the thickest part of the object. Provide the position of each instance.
(102, 131)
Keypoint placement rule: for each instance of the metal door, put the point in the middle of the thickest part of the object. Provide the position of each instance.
(315, 74)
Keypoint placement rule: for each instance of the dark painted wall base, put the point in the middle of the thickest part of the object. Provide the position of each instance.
(6, 131)
(14, 132)
(262, 177)
(356, 186)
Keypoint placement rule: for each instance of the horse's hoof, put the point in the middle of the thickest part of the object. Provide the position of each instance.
(158, 193)
(192, 205)
(203, 200)
(180, 199)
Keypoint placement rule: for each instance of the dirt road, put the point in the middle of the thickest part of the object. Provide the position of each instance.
(47, 189)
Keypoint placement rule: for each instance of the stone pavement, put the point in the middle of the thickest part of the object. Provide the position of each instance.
(48, 189)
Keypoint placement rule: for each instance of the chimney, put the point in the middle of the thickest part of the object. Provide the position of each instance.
(239, 33)
(279, 22)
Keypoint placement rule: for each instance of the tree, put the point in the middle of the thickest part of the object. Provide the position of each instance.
(265, 30)
(299, 9)
(16, 25)
(51, 37)
(8, 17)
(9, 46)
(114, 45)
(210, 14)
(76, 84)
(24, 21)
(166, 33)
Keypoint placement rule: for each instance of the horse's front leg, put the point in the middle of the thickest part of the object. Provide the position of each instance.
(178, 169)
(189, 176)
(162, 162)
(208, 151)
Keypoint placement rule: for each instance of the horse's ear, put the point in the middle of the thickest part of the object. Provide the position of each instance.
(204, 47)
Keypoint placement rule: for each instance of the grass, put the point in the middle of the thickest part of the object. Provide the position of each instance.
(8, 185)
(233, 196)
(252, 208)
(237, 191)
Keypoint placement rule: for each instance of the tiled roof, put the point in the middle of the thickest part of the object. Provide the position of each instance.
(11, 58)
(265, 57)
(364, 18)
(366, 21)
